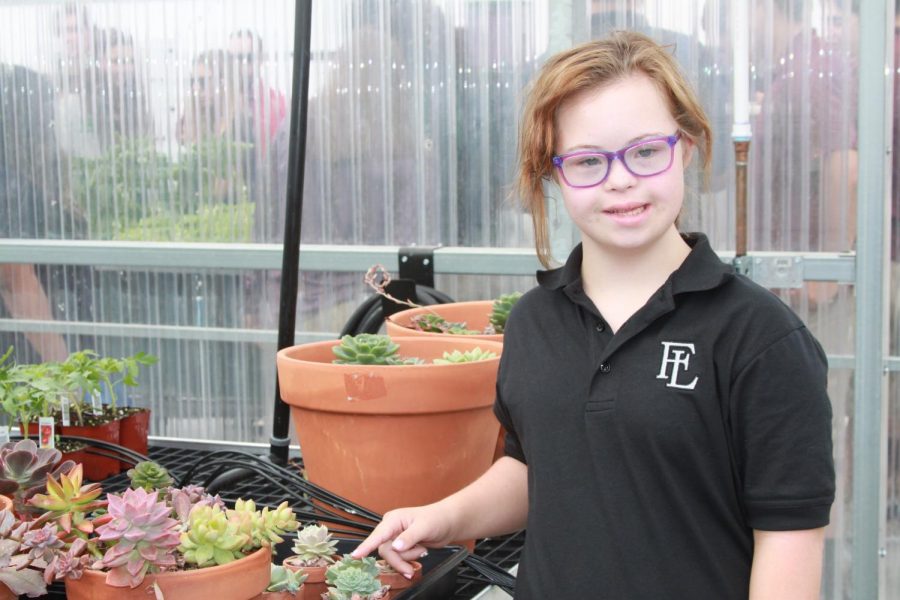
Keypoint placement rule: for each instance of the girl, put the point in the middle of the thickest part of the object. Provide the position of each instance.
(669, 429)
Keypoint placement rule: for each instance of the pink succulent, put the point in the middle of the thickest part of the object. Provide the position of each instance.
(144, 534)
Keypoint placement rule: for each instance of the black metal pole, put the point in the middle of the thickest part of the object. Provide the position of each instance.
(290, 263)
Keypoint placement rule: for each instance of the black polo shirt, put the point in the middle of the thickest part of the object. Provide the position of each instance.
(653, 453)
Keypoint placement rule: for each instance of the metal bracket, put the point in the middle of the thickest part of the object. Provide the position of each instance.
(772, 271)
(417, 263)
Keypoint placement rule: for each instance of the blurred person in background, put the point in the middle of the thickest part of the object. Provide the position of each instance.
(33, 205)
(261, 108)
(77, 77)
(124, 109)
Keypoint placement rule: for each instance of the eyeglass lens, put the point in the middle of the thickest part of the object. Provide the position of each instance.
(645, 159)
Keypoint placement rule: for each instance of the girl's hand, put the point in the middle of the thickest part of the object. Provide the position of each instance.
(405, 534)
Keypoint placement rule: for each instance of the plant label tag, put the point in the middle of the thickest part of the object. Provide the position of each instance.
(4, 434)
(45, 432)
(96, 405)
(64, 408)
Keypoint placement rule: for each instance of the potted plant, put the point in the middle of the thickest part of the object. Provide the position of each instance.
(58, 390)
(382, 425)
(355, 579)
(23, 471)
(481, 319)
(180, 542)
(314, 551)
(26, 546)
(284, 584)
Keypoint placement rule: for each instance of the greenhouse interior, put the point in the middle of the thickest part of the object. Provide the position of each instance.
(211, 208)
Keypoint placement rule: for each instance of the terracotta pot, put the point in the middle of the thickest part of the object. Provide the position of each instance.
(280, 595)
(314, 585)
(6, 593)
(96, 468)
(397, 581)
(133, 432)
(475, 314)
(391, 436)
(239, 580)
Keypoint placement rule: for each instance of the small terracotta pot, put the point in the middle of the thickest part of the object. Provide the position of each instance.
(397, 581)
(96, 468)
(6, 503)
(242, 579)
(280, 595)
(133, 432)
(314, 585)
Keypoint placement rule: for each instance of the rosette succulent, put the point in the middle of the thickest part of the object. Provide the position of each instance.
(24, 469)
(150, 476)
(350, 582)
(265, 527)
(143, 537)
(369, 349)
(472, 355)
(500, 310)
(314, 547)
(69, 503)
(433, 323)
(211, 538)
(285, 580)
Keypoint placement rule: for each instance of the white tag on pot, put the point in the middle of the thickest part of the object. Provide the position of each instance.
(4, 434)
(96, 404)
(64, 408)
(46, 432)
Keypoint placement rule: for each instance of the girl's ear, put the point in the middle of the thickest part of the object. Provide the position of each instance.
(687, 153)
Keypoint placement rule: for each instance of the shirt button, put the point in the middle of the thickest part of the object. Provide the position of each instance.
(601, 327)
(604, 368)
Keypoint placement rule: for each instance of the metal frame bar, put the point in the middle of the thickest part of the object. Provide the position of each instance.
(455, 260)
(871, 306)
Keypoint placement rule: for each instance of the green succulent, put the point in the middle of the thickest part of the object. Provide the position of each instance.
(353, 582)
(367, 565)
(472, 355)
(433, 323)
(501, 308)
(369, 349)
(285, 580)
(265, 527)
(314, 546)
(150, 476)
(211, 538)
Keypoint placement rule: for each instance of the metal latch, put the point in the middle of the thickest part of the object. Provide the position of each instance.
(772, 271)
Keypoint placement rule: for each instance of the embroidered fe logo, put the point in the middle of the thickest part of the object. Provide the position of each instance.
(677, 356)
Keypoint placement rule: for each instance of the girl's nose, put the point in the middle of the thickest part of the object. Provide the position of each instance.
(619, 177)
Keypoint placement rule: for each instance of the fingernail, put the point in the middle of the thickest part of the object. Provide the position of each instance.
(398, 545)
(424, 554)
(408, 575)
(355, 554)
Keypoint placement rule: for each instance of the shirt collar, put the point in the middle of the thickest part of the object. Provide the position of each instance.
(701, 270)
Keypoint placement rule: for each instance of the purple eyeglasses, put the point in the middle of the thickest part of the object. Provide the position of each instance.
(589, 168)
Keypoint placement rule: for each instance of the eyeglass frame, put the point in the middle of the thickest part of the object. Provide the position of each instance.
(671, 140)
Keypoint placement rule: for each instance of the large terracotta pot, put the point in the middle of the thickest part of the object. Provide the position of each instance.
(391, 436)
(475, 314)
(6, 593)
(239, 580)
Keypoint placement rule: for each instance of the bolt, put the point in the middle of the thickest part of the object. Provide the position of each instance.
(882, 552)
(425, 261)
